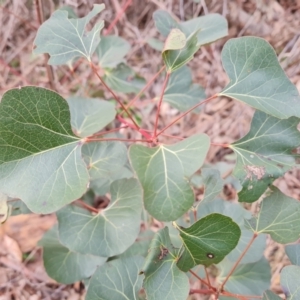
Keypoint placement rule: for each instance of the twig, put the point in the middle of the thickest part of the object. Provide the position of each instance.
(86, 206)
(109, 131)
(238, 261)
(200, 291)
(201, 280)
(185, 113)
(159, 104)
(207, 276)
(117, 18)
(221, 145)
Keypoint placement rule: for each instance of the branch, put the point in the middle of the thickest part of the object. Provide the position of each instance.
(114, 95)
(185, 113)
(159, 104)
(238, 261)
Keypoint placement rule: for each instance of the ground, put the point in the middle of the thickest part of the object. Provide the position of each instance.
(21, 270)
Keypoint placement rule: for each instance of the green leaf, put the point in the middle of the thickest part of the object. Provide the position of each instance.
(163, 279)
(123, 79)
(268, 295)
(64, 265)
(213, 184)
(140, 246)
(181, 93)
(18, 207)
(104, 158)
(278, 216)
(117, 279)
(40, 157)
(65, 39)
(264, 154)
(293, 253)
(238, 215)
(155, 44)
(164, 171)
(175, 40)
(175, 59)
(208, 241)
(247, 279)
(257, 79)
(210, 27)
(289, 280)
(88, 116)
(111, 51)
(164, 22)
(111, 231)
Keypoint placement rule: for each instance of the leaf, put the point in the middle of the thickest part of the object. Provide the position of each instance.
(65, 39)
(264, 154)
(213, 184)
(112, 230)
(140, 246)
(4, 208)
(181, 93)
(123, 79)
(64, 265)
(208, 241)
(88, 116)
(293, 253)
(117, 279)
(18, 207)
(278, 216)
(289, 280)
(111, 51)
(269, 295)
(155, 44)
(164, 22)
(247, 279)
(238, 215)
(257, 79)
(40, 157)
(210, 27)
(175, 59)
(163, 173)
(163, 280)
(175, 40)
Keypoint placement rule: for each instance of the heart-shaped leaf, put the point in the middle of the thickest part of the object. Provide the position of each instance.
(210, 27)
(163, 279)
(64, 265)
(111, 231)
(65, 39)
(40, 157)
(208, 241)
(164, 171)
(289, 280)
(247, 279)
(264, 154)
(293, 253)
(279, 216)
(257, 79)
(111, 51)
(181, 93)
(117, 279)
(238, 215)
(88, 116)
(123, 79)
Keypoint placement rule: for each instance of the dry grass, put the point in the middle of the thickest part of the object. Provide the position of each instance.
(222, 119)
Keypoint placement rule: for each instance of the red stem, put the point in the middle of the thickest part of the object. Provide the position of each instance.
(238, 261)
(221, 145)
(109, 131)
(116, 139)
(159, 104)
(144, 88)
(201, 280)
(200, 291)
(206, 273)
(114, 95)
(117, 18)
(86, 206)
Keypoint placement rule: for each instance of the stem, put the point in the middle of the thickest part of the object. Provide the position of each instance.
(116, 139)
(201, 280)
(88, 207)
(114, 95)
(207, 276)
(144, 89)
(239, 260)
(109, 131)
(159, 104)
(221, 145)
(200, 291)
(117, 18)
(195, 216)
(185, 113)
(40, 15)
(242, 297)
